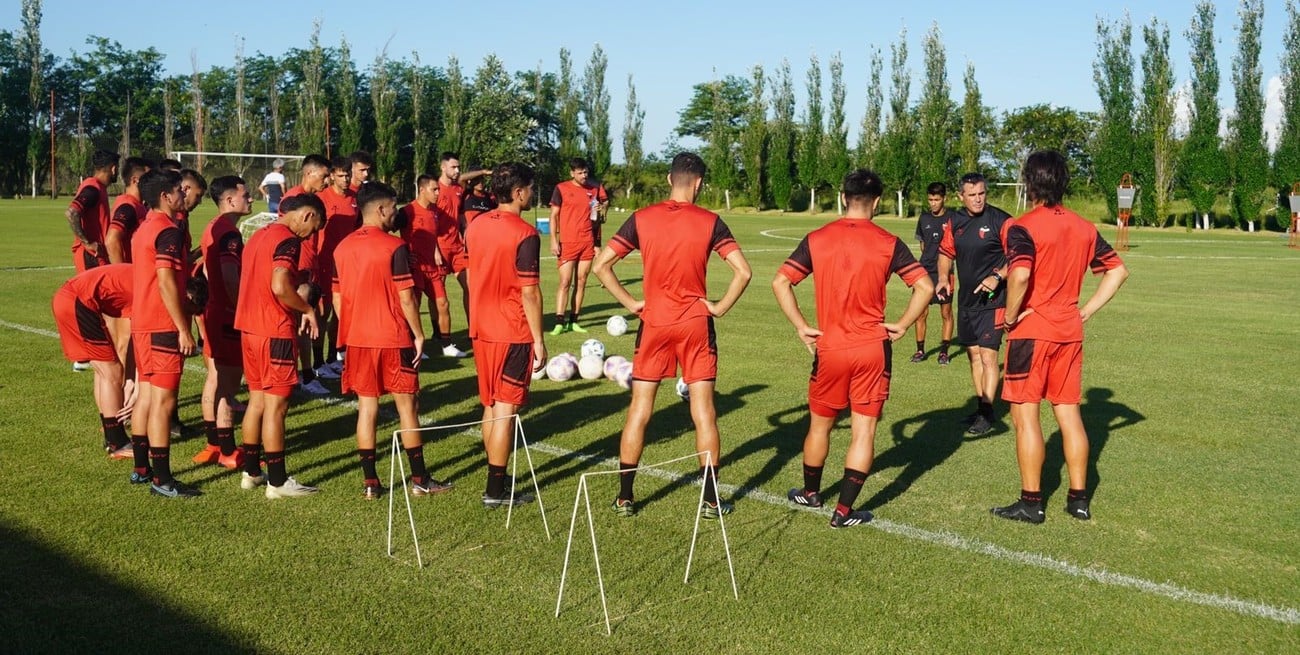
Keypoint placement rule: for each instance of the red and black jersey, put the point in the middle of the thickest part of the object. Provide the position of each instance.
(504, 257)
(572, 210)
(850, 261)
(929, 233)
(420, 232)
(258, 311)
(221, 244)
(675, 239)
(371, 268)
(339, 221)
(107, 290)
(474, 204)
(975, 244)
(447, 217)
(1058, 247)
(158, 244)
(91, 203)
(128, 211)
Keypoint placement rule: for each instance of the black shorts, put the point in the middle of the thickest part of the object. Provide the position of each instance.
(952, 288)
(979, 327)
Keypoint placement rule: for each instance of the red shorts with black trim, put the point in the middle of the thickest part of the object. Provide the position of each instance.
(504, 371)
(270, 364)
(82, 331)
(158, 358)
(83, 261)
(582, 251)
(221, 342)
(455, 261)
(855, 377)
(430, 280)
(1043, 369)
(691, 344)
(373, 372)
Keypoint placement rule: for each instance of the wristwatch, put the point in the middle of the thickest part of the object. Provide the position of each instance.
(995, 276)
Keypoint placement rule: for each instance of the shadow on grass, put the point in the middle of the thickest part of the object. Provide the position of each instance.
(1101, 417)
(54, 604)
(937, 435)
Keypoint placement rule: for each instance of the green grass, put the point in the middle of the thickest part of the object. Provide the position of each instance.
(1190, 403)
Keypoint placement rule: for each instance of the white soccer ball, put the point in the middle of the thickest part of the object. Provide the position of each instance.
(683, 391)
(560, 368)
(612, 364)
(591, 367)
(616, 326)
(593, 347)
(539, 373)
(623, 375)
(570, 357)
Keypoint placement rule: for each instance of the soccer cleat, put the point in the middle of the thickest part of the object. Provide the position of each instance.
(624, 508)
(234, 461)
(125, 452)
(325, 372)
(970, 418)
(1079, 509)
(1021, 511)
(804, 497)
(78, 367)
(574, 327)
(558, 329)
(429, 487)
(504, 500)
(314, 388)
(248, 482)
(337, 366)
(452, 351)
(141, 478)
(712, 511)
(209, 455)
(944, 359)
(372, 490)
(918, 357)
(174, 489)
(290, 489)
(979, 427)
(855, 517)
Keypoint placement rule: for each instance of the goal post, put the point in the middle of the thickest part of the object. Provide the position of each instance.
(243, 164)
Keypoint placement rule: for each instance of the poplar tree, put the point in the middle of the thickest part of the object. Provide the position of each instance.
(780, 161)
(869, 137)
(896, 165)
(595, 112)
(383, 97)
(932, 148)
(1248, 154)
(972, 113)
(753, 141)
(570, 134)
(1204, 171)
(633, 153)
(454, 105)
(1112, 72)
(810, 137)
(345, 86)
(1158, 149)
(835, 147)
(1286, 159)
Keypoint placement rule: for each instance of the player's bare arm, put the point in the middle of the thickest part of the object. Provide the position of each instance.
(789, 303)
(115, 245)
(740, 276)
(74, 222)
(531, 298)
(1110, 283)
(170, 292)
(604, 270)
(922, 292)
(285, 289)
(411, 312)
(1017, 289)
(942, 289)
(555, 230)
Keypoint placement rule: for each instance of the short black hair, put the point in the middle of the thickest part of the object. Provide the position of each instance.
(196, 177)
(972, 178)
(294, 203)
(448, 155)
(373, 192)
(937, 189)
(1046, 176)
(510, 176)
(424, 179)
(196, 290)
(104, 159)
(687, 164)
(862, 185)
(579, 163)
(341, 163)
(156, 182)
(133, 166)
(170, 165)
(315, 161)
(360, 157)
(222, 185)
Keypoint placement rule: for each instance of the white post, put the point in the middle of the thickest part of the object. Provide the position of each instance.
(726, 193)
(839, 204)
(812, 201)
(900, 204)
(1250, 226)
(33, 181)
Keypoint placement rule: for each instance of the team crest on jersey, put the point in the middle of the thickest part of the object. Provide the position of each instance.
(983, 231)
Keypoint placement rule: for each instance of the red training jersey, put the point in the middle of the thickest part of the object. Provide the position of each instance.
(105, 289)
(128, 211)
(307, 252)
(91, 202)
(258, 311)
(448, 219)
(1058, 247)
(675, 239)
(158, 244)
(221, 244)
(504, 257)
(572, 211)
(371, 268)
(339, 221)
(420, 232)
(850, 261)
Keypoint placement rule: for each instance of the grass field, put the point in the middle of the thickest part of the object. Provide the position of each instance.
(1190, 401)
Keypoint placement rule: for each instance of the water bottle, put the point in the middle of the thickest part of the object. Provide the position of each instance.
(595, 210)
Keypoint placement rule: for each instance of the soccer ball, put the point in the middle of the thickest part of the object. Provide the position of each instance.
(591, 367)
(683, 391)
(560, 368)
(593, 347)
(570, 357)
(612, 365)
(539, 373)
(623, 375)
(616, 326)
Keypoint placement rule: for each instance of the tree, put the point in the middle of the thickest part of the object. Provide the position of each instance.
(241, 136)
(633, 154)
(696, 119)
(345, 89)
(309, 126)
(35, 86)
(895, 162)
(1286, 159)
(780, 162)
(1204, 170)
(835, 146)
(570, 134)
(719, 150)
(931, 149)
(198, 114)
(753, 141)
(810, 137)
(595, 112)
(454, 108)
(1043, 127)
(495, 123)
(423, 141)
(1112, 72)
(869, 140)
(1158, 149)
(383, 97)
(1248, 153)
(971, 115)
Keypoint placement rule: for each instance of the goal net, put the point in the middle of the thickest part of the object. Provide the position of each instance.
(252, 167)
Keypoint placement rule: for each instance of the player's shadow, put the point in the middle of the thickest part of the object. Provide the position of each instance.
(920, 443)
(782, 443)
(1102, 416)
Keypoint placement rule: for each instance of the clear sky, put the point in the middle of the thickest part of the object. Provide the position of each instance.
(1024, 52)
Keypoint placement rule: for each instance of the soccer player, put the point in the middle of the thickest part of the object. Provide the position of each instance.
(128, 211)
(476, 201)
(315, 177)
(1051, 248)
(850, 261)
(340, 220)
(273, 186)
(929, 232)
(419, 228)
(160, 331)
(222, 248)
(80, 306)
(362, 165)
(88, 212)
(506, 324)
(576, 206)
(380, 323)
(973, 239)
(267, 317)
(675, 238)
(454, 259)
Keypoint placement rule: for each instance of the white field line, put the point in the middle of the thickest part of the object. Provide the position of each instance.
(26, 269)
(1287, 615)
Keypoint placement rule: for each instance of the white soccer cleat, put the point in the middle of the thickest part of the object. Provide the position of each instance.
(327, 372)
(248, 482)
(314, 388)
(290, 489)
(452, 351)
(78, 367)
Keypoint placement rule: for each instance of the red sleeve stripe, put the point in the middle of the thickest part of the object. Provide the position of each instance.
(724, 243)
(912, 272)
(1022, 259)
(792, 272)
(620, 245)
(792, 263)
(947, 252)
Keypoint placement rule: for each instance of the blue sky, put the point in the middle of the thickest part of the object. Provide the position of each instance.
(1024, 52)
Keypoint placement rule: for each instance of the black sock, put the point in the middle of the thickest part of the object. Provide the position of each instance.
(849, 489)
(416, 457)
(275, 475)
(573, 317)
(308, 375)
(710, 474)
(496, 481)
(114, 432)
(140, 444)
(176, 415)
(943, 346)
(210, 431)
(226, 440)
(920, 345)
(1077, 494)
(986, 410)
(317, 353)
(160, 459)
(367, 457)
(253, 459)
(812, 478)
(626, 476)
(559, 319)
(1031, 497)
(332, 355)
